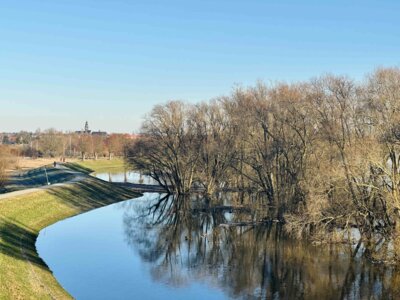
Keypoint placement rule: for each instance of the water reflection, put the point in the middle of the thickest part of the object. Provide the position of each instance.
(127, 176)
(190, 239)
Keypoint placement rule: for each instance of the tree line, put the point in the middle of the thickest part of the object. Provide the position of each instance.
(7, 159)
(53, 143)
(325, 152)
(58, 145)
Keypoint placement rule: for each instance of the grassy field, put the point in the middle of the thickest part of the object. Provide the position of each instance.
(23, 274)
(102, 165)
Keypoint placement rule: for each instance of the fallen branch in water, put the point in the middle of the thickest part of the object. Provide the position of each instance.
(250, 223)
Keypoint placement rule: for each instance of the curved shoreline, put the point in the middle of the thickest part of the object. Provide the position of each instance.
(23, 274)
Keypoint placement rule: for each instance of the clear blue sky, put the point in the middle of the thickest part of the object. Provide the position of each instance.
(109, 62)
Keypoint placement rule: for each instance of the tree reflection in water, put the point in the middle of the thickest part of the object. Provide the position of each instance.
(189, 239)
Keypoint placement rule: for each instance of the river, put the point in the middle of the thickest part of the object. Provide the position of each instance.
(159, 247)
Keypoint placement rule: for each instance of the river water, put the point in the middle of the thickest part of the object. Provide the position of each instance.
(127, 176)
(161, 247)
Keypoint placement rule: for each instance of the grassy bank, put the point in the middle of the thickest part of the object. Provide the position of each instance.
(23, 274)
(36, 178)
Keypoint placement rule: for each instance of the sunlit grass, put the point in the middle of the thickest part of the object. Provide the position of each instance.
(102, 165)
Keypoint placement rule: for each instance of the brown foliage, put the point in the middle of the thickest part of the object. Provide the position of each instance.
(325, 152)
(7, 159)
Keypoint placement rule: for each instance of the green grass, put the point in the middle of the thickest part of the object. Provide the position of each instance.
(23, 274)
(35, 178)
(101, 165)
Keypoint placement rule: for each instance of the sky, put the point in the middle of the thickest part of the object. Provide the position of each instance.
(110, 62)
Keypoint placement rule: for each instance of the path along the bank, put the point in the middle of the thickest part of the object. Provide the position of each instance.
(24, 182)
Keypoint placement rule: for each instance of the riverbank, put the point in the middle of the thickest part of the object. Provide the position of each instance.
(23, 274)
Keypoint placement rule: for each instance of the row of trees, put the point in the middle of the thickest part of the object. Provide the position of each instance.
(52, 143)
(326, 152)
(7, 159)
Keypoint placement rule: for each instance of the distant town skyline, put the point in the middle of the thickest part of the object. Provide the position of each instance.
(68, 130)
(64, 62)
(78, 129)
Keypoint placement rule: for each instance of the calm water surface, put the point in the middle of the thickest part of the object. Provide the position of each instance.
(127, 176)
(158, 247)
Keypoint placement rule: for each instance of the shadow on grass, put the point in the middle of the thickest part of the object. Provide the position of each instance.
(78, 168)
(36, 178)
(91, 193)
(18, 242)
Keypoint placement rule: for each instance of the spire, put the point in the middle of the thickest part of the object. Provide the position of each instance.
(87, 127)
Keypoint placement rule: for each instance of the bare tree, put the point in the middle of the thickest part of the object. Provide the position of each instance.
(168, 149)
(115, 144)
(51, 143)
(7, 159)
(325, 153)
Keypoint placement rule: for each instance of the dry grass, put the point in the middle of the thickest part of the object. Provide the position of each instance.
(26, 163)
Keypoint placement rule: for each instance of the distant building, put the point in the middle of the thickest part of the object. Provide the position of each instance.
(133, 136)
(8, 138)
(87, 131)
(130, 136)
(87, 127)
(82, 132)
(99, 133)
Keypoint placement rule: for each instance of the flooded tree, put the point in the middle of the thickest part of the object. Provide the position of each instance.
(325, 153)
(215, 143)
(185, 239)
(168, 151)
